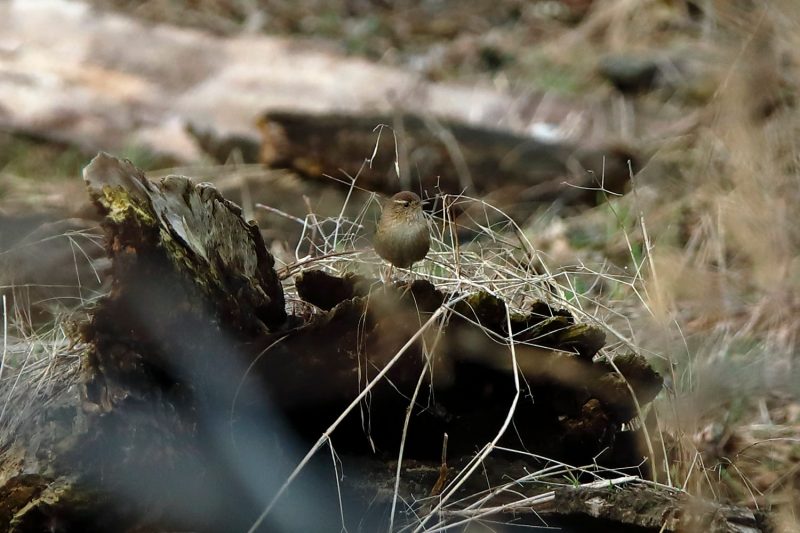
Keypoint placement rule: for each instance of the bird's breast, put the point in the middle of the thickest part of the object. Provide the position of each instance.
(402, 244)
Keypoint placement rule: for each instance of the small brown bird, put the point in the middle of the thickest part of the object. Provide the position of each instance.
(403, 237)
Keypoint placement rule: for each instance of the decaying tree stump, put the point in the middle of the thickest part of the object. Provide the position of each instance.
(197, 393)
(578, 404)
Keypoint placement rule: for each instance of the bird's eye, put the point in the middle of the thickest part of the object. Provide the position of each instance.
(406, 204)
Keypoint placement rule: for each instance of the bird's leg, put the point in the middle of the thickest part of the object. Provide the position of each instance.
(406, 288)
(388, 278)
(409, 280)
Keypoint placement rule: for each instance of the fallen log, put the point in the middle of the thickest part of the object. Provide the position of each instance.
(427, 154)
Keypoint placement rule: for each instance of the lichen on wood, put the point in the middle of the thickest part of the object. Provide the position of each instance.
(200, 233)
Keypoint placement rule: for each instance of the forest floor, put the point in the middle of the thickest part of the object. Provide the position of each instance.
(699, 261)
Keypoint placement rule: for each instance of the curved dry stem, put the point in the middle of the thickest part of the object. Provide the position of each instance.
(478, 460)
(326, 434)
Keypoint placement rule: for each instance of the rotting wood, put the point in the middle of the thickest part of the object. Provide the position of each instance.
(189, 365)
(637, 505)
